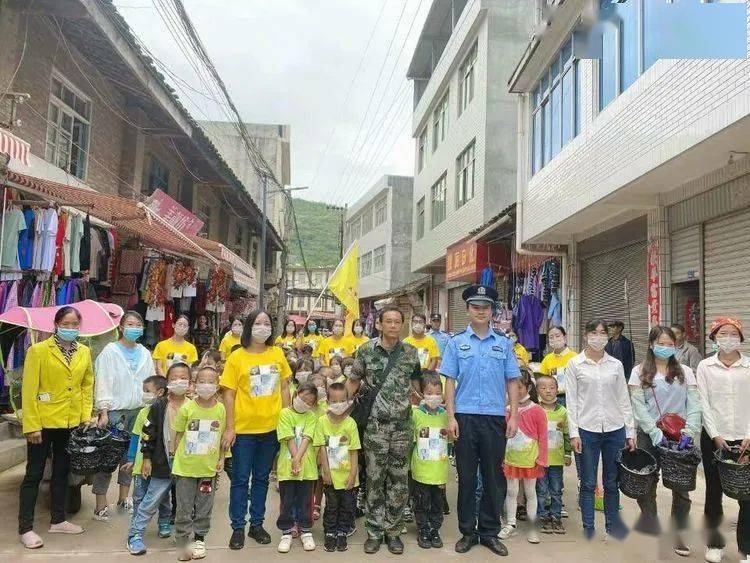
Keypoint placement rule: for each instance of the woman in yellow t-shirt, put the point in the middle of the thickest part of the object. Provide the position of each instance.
(289, 339)
(555, 362)
(231, 338)
(357, 338)
(311, 337)
(523, 355)
(255, 386)
(175, 349)
(427, 348)
(335, 345)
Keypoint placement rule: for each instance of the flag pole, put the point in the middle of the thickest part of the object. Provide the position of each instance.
(310, 312)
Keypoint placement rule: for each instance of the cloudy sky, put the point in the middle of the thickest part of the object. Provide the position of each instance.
(294, 62)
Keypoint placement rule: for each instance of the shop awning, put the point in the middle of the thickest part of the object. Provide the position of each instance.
(14, 147)
(129, 215)
(242, 272)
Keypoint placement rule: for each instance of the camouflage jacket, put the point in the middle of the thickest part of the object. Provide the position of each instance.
(392, 403)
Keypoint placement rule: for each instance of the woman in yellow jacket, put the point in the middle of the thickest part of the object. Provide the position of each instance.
(358, 336)
(231, 338)
(57, 395)
(288, 340)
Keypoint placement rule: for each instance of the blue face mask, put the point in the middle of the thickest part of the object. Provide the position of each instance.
(67, 334)
(312, 327)
(132, 333)
(664, 352)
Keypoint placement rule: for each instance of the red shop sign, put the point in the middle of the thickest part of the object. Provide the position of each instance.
(174, 213)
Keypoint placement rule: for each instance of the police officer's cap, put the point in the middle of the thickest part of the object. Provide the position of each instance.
(479, 294)
(435, 317)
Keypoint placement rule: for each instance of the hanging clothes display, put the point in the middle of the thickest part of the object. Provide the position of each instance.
(218, 291)
(13, 226)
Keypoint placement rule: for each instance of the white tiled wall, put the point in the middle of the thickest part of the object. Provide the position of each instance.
(671, 108)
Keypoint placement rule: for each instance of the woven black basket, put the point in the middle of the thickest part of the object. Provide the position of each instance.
(735, 477)
(634, 483)
(85, 449)
(679, 468)
(113, 453)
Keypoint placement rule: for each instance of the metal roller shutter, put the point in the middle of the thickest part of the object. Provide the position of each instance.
(458, 318)
(685, 247)
(603, 278)
(727, 255)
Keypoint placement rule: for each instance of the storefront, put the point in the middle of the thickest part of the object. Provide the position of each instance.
(710, 251)
(613, 281)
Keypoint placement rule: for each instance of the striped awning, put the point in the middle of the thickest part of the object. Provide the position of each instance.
(14, 147)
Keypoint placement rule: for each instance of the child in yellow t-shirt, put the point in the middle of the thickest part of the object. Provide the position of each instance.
(199, 425)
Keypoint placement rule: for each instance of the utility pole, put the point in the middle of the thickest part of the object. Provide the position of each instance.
(262, 253)
(281, 303)
(342, 211)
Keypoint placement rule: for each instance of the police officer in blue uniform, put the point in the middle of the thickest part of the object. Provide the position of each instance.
(477, 364)
(440, 337)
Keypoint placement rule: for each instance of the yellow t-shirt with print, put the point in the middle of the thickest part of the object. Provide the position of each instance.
(313, 340)
(256, 377)
(427, 348)
(227, 343)
(333, 346)
(285, 341)
(357, 341)
(168, 352)
(554, 364)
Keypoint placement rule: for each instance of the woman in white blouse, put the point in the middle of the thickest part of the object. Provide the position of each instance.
(600, 418)
(658, 386)
(120, 370)
(723, 383)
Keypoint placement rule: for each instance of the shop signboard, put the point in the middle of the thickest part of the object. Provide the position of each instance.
(174, 213)
(463, 260)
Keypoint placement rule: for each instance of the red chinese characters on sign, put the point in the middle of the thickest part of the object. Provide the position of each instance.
(174, 213)
(463, 259)
(654, 300)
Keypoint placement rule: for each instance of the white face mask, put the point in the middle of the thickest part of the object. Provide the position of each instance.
(261, 333)
(557, 343)
(336, 370)
(300, 406)
(597, 342)
(417, 328)
(338, 330)
(178, 387)
(728, 344)
(321, 393)
(302, 376)
(358, 330)
(339, 408)
(348, 371)
(148, 398)
(524, 398)
(180, 330)
(206, 390)
(237, 329)
(432, 401)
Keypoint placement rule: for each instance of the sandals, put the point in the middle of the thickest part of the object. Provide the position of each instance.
(31, 540)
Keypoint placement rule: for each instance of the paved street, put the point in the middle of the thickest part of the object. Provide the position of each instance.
(107, 541)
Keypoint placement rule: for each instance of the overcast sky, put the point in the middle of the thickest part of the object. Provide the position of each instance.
(292, 62)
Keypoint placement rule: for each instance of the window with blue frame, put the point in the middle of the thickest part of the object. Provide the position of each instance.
(556, 105)
(621, 35)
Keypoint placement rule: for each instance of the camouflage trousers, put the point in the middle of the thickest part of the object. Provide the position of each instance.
(387, 448)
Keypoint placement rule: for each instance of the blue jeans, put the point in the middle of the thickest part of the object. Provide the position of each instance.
(606, 445)
(251, 453)
(155, 498)
(140, 486)
(549, 492)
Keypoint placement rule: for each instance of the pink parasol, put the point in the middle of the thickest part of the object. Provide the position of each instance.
(96, 318)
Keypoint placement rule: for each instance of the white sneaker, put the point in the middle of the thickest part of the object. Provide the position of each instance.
(714, 554)
(308, 543)
(285, 544)
(533, 536)
(507, 531)
(102, 515)
(199, 549)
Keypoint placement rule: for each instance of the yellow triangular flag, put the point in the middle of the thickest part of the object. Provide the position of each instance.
(344, 283)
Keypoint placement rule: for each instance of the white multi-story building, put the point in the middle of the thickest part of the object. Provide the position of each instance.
(636, 165)
(381, 222)
(464, 124)
(303, 292)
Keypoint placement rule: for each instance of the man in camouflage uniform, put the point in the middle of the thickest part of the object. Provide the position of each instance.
(387, 439)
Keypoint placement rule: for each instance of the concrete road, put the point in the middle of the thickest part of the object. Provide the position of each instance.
(105, 542)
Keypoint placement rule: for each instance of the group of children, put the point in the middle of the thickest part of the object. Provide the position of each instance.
(177, 455)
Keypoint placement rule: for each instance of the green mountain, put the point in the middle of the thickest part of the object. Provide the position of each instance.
(319, 231)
